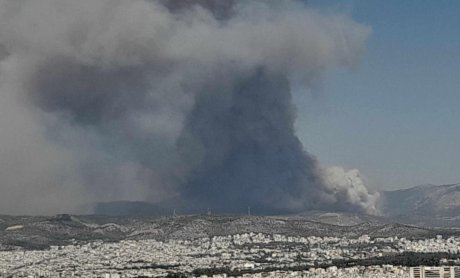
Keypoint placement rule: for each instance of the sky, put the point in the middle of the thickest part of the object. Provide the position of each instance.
(395, 116)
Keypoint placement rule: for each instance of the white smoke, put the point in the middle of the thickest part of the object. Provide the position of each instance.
(348, 187)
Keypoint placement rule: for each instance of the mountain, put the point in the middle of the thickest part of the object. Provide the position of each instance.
(38, 232)
(340, 218)
(127, 208)
(437, 205)
(423, 205)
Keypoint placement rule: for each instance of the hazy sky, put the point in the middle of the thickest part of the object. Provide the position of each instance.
(396, 118)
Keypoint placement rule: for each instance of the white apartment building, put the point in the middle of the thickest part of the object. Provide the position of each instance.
(435, 272)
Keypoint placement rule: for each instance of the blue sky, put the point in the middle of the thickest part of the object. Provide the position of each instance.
(396, 117)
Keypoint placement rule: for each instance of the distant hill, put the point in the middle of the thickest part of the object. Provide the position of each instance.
(424, 204)
(127, 208)
(340, 218)
(38, 232)
(167, 208)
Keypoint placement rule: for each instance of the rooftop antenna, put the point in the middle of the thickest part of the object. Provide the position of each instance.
(174, 213)
(249, 211)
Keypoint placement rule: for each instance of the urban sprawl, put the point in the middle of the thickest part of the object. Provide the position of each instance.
(240, 255)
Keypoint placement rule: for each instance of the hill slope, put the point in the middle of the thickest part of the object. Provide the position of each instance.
(41, 232)
(424, 204)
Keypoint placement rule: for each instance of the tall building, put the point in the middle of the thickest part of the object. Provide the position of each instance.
(435, 272)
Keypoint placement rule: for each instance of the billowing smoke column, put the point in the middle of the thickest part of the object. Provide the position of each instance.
(247, 154)
(163, 100)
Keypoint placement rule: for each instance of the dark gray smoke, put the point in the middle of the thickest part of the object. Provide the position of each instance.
(166, 100)
(240, 145)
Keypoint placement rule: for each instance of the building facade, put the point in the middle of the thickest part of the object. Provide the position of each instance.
(435, 272)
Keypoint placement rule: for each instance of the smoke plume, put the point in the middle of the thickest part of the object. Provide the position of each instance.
(161, 100)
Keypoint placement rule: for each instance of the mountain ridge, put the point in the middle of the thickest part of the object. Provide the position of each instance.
(435, 205)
